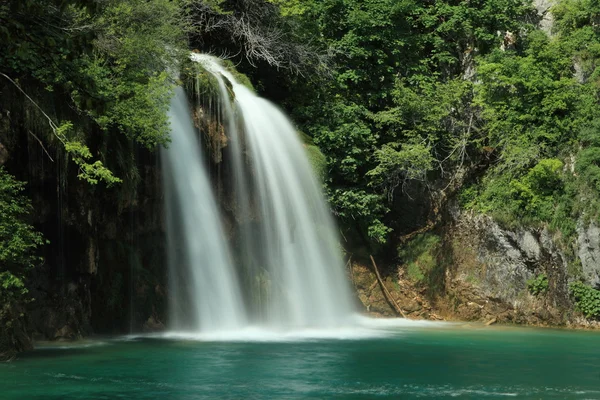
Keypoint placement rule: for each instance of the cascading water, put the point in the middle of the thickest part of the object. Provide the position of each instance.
(289, 255)
(293, 243)
(203, 285)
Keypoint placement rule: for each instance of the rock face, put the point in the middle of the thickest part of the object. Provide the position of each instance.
(3, 154)
(588, 251)
(103, 270)
(506, 259)
(484, 269)
(547, 19)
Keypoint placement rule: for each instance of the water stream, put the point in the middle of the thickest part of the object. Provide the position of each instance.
(289, 262)
(203, 285)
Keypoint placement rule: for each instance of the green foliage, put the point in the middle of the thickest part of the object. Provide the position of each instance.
(136, 42)
(531, 198)
(419, 256)
(292, 7)
(538, 285)
(364, 208)
(81, 154)
(411, 162)
(538, 116)
(426, 91)
(468, 197)
(105, 64)
(18, 243)
(92, 173)
(18, 240)
(588, 160)
(397, 109)
(587, 299)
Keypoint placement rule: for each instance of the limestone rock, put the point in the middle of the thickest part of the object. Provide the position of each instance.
(588, 244)
(547, 19)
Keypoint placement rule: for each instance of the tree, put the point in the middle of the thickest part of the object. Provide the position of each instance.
(106, 65)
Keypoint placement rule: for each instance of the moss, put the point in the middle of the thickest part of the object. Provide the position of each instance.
(317, 160)
(197, 81)
(473, 279)
(241, 78)
(420, 256)
(307, 140)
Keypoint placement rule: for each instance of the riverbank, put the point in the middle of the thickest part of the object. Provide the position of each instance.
(457, 300)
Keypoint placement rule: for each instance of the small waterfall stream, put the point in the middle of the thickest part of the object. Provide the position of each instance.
(289, 257)
(203, 286)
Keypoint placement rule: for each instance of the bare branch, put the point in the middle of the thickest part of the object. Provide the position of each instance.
(260, 33)
(53, 126)
(41, 144)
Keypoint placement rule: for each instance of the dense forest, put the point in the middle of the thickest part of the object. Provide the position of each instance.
(458, 142)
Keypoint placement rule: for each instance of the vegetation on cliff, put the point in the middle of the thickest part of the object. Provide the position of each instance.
(18, 243)
(84, 85)
(425, 102)
(90, 74)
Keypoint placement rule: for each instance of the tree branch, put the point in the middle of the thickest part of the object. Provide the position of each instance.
(53, 126)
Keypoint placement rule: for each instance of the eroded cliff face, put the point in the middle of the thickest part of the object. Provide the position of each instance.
(479, 271)
(103, 269)
(588, 252)
(467, 266)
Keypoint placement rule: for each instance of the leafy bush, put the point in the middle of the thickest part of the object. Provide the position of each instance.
(538, 285)
(587, 299)
(364, 207)
(531, 198)
(18, 242)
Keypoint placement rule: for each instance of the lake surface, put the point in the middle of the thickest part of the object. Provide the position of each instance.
(387, 360)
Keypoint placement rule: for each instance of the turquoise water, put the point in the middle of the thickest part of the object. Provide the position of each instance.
(423, 361)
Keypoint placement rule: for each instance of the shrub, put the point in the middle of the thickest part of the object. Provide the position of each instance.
(587, 299)
(538, 285)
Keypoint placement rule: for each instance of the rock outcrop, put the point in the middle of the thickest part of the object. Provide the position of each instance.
(588, 252)
(483, 272)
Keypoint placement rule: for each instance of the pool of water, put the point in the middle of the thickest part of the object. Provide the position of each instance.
(390, 360)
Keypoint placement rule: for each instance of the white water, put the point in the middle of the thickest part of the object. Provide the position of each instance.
(359, 328)
(289, 272)
(291, 251)
(203, 286)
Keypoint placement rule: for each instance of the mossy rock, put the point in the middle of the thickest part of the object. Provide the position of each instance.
(241, 78)
(317, 159)
(420, 256)
(193, 75)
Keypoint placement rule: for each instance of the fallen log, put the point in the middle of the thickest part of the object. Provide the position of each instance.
(386, 292)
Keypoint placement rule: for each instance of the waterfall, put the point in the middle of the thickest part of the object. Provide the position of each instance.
(203, 286)
(289, 258)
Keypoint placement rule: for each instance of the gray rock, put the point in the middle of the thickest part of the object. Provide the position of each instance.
(588, 244)
(509, 258)
(543, 9)
(506, 256)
